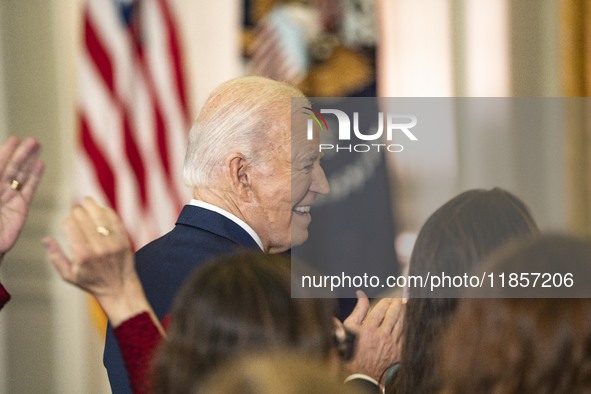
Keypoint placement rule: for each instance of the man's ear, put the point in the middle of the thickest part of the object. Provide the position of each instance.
(240, 177)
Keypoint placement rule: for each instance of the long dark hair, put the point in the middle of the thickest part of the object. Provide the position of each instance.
(238, 304)
(454, 239)
(521, 345)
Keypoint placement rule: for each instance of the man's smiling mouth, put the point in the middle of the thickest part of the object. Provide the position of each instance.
(303, 209)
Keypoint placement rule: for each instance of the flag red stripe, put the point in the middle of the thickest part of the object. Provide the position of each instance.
(98, 54)
(134, 158)
(175, 56)
(117, 52)
(162, 140)
(102, 169)
(104, 65)
(161, 131)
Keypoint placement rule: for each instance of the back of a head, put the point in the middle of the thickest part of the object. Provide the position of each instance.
(274, 373)
(523, 345)
(453, 240)
(242, 115)
(466, 229)
(238, 304)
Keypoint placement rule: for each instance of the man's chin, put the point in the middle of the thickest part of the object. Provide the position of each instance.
(299, 237)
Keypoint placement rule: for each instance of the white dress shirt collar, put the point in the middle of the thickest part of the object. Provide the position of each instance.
(232, 217)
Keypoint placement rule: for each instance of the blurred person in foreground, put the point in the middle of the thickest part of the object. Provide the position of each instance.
(454, 240)
(530, 339)
(274, 373)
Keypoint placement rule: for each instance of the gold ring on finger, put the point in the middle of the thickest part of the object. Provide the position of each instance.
(16, 185)
(104, 230)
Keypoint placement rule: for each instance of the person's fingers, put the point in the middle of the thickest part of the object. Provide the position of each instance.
(392, 314)
(25, 157)
(32, 181)
(360, 311)
(112, 231)
(80, 215)
(397, 332)
(377, 313)
(339, 328)
(117, 226)
(22, 161)
(336, 322)
(58, 258)
(6, 151)
(96, 212)
(76, 236)
(88, 226)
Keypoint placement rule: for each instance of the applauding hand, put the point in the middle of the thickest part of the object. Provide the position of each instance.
(378, 332)
(20, 173)
(102, 262)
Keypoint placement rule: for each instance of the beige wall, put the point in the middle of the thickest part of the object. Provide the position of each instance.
(475, 48)
(50, 345)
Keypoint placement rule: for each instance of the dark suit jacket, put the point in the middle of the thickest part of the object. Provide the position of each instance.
(165, 263)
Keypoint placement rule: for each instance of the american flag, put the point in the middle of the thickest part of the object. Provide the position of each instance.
(133, 112)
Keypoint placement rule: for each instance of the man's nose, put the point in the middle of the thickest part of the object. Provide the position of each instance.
(319, 182)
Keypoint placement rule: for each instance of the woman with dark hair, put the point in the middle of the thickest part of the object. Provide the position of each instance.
(525, 345)
(453, 240)
(236, 305)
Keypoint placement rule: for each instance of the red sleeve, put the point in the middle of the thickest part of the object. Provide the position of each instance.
(138, 339)
(4, 296)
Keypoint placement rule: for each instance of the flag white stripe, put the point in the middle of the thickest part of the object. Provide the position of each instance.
(104, 110)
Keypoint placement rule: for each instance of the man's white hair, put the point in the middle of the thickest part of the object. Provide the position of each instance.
(241, 115)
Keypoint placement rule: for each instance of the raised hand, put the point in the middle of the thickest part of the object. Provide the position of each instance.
(20, 173)
(378, 332)
(102, 262)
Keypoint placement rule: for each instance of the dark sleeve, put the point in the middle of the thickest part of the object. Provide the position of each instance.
(4, 296)
(138, 339)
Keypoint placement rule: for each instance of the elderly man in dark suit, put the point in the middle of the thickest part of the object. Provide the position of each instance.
(253, 186)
